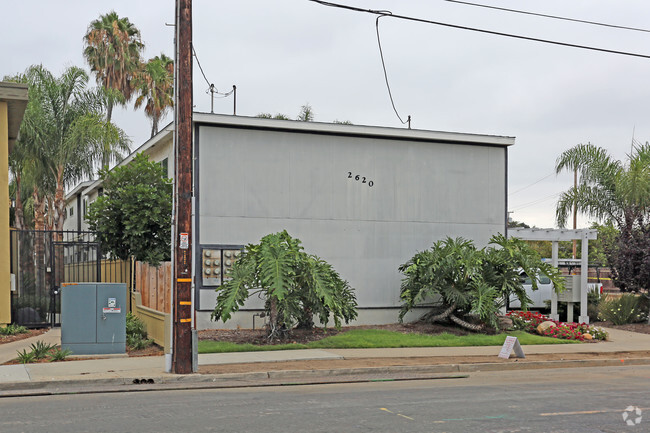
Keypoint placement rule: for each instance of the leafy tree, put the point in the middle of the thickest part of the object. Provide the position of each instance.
(513, 224)
(306, 114)
(617, 194)
(464, 284)
(155, 87)
(112, 48)
(295, 285)
(62, 138)
(133, 217)
(278, 116)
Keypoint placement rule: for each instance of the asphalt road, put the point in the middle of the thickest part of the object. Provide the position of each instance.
(563, 400)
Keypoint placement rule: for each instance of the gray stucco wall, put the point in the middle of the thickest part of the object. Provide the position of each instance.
(255, 182)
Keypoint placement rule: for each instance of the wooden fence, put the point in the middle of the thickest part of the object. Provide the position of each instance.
(154, 285)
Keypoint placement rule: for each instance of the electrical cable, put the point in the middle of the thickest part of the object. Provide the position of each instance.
(383, 64)
(534, 183)
(211, 86)
(200, 68)
(478, 30)
(532, 203)
(556, 17)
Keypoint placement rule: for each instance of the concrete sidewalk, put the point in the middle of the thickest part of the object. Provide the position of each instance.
(116, 372)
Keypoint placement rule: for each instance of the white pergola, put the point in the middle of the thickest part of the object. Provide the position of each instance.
(556, 235)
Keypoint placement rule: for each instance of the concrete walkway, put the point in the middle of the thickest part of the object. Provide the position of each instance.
(123, 370)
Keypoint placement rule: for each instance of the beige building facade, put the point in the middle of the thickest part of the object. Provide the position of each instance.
(13, 102)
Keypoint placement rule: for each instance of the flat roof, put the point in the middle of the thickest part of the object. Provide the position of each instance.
(383, 132)
(16, 97)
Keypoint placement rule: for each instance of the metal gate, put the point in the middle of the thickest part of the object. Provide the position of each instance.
(41, 261)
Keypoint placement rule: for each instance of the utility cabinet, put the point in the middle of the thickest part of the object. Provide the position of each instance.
(93, 318)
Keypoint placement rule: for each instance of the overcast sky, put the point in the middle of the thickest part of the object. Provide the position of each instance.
(285, 53)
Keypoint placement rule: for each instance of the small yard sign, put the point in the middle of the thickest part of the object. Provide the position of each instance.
(508, 346)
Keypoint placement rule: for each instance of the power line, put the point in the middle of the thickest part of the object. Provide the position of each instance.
(383, 64)
(556, 17)
(534, 183)
(211, 87)
(200, 68)
(474, 29)
(532, 203)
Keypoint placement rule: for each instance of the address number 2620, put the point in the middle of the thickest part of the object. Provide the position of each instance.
(360, 178)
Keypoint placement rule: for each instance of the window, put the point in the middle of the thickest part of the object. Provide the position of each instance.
(165, 164)
(71, 210)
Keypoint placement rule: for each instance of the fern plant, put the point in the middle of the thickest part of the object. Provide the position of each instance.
(458, 280)
(296, 286)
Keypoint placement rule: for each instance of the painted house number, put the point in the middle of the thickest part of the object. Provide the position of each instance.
(360, 178)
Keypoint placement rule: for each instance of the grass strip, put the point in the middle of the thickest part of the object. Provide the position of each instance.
(379, 338)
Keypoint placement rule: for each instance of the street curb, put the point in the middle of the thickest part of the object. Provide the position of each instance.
(280, 377)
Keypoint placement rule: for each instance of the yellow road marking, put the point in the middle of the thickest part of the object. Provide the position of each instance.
(587, 412)
(398, 414)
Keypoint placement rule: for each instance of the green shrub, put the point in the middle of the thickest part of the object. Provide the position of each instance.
(136, 333)
(26, 357)
(13, 329)
(41, 349)
(59, 354)
(623, 310)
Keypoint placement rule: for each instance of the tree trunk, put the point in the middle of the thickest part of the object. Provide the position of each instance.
(39, 240)
(432, 317)
(154, 127)
(460, 322)
(59, 201)
(19, 214)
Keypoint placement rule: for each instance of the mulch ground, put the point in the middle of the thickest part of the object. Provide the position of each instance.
(30, 333)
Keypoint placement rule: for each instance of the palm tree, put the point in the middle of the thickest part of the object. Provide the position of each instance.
(112, 48)
(608, 190)
(155, 87)
(616, 193)
(63, 136)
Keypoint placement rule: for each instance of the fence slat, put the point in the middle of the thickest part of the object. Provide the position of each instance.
(152, 286)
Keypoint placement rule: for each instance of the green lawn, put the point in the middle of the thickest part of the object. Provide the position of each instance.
(377, 338)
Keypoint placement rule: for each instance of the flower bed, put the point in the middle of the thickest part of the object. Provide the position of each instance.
(529, 320)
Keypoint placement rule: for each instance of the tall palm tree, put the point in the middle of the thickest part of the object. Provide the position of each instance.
(64, 135)
(155, 87)
(608, 190)
(112, 48)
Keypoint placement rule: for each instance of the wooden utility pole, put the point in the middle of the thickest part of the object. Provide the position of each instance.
(182, 344)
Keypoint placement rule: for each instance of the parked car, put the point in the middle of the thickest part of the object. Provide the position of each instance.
(539, 296)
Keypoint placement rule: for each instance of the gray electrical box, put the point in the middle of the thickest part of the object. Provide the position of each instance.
(93, 318)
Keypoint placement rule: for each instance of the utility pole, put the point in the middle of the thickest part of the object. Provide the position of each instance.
(182, 309)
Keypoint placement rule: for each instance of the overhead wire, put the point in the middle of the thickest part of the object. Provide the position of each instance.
(479, 30)
(534, 183)
(211, 86)
(532, 203)
(556, 17)
(383, 65)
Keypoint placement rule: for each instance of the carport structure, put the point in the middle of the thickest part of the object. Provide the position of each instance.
(555, 236)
